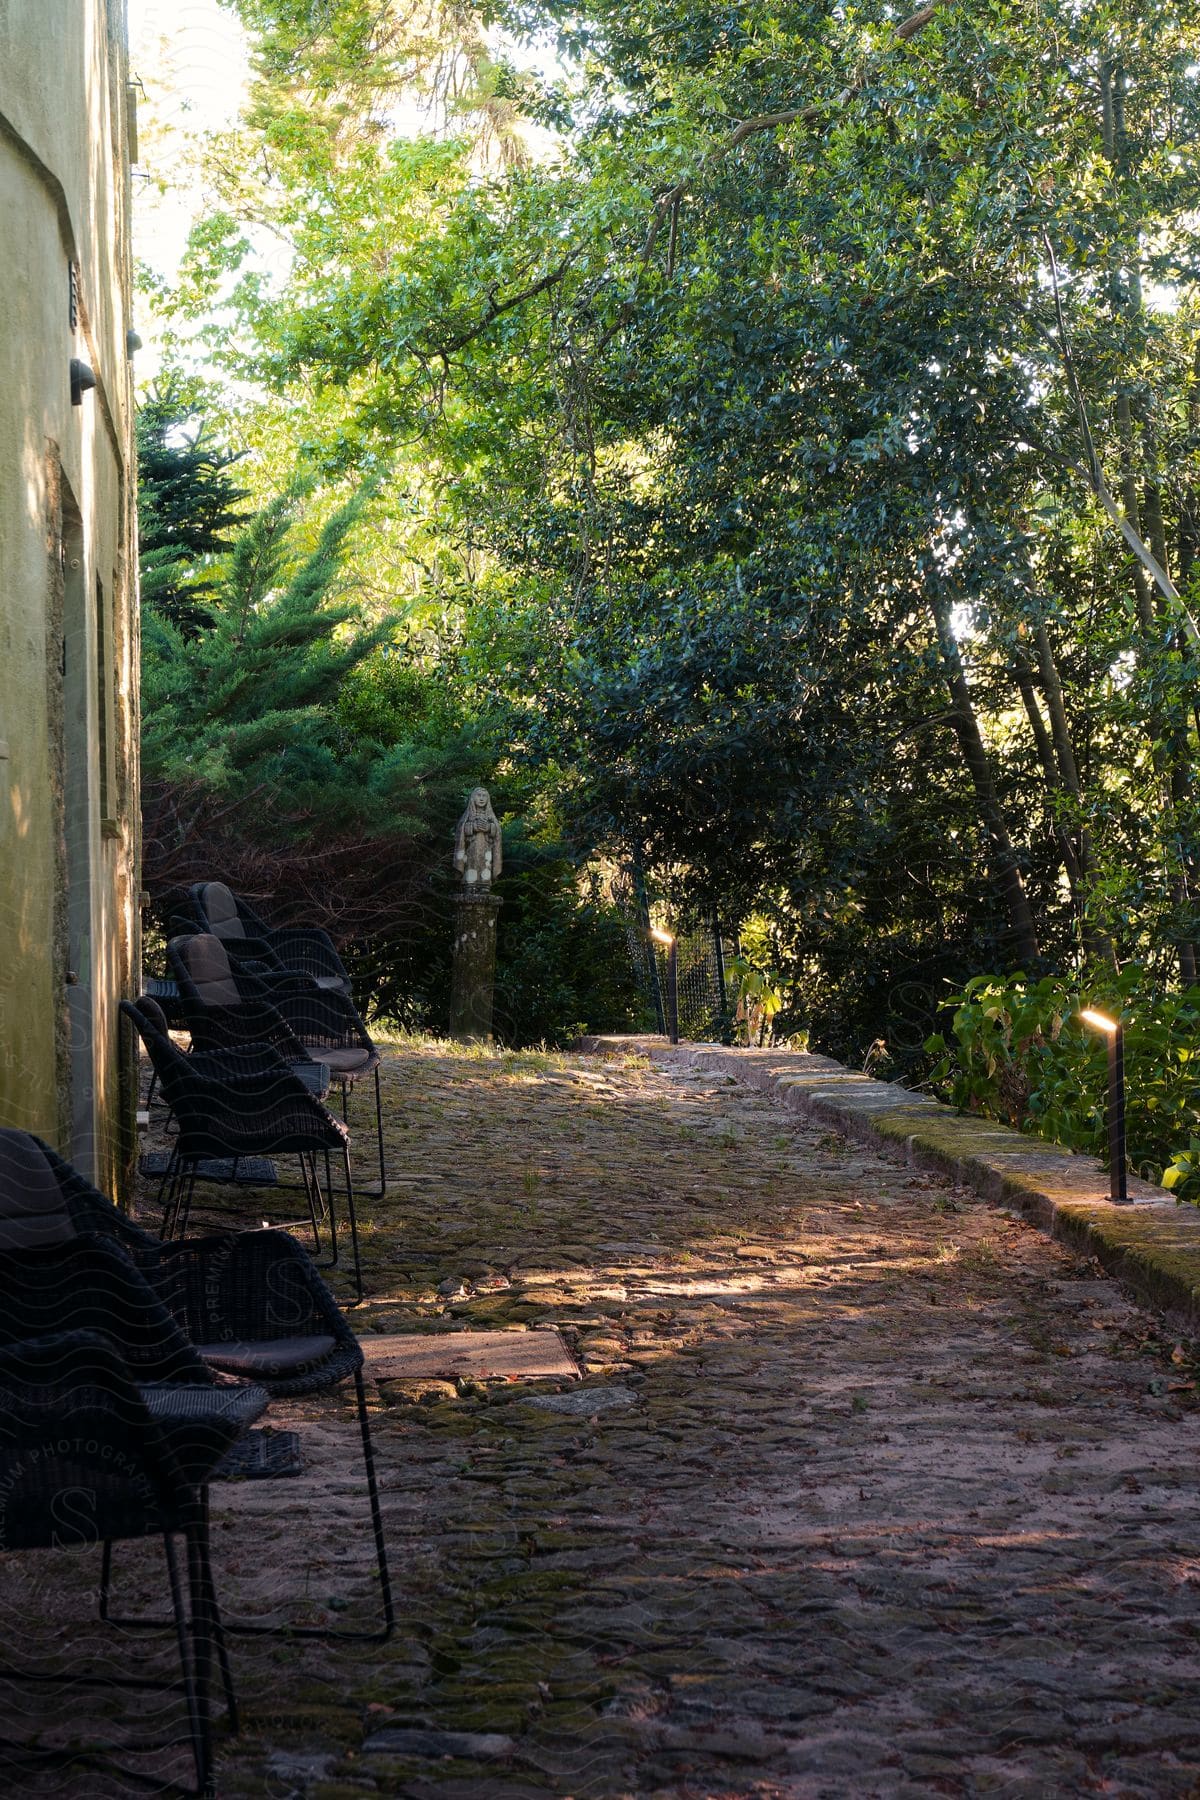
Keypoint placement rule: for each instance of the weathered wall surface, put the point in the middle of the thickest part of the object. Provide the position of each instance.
(68, 638)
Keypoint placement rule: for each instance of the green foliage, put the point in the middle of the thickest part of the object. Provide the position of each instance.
(758, 996)
(1021, 1054)
(742, 495)
(390, 698)
(188, 504)
(249, 702)
(562, 961)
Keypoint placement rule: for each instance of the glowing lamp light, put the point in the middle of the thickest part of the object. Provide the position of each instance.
(665, 938)
(1115, 1110)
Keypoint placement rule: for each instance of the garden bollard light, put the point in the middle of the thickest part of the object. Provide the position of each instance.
(664, 937)
(1115, 1111)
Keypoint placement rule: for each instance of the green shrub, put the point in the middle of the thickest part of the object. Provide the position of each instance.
(1021, 1054)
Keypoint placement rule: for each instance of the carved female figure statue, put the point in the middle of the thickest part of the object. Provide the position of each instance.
(478, 848)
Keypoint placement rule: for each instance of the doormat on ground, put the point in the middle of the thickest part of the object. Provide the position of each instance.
(247, 1171)
(486, 1355)
(261, 1456)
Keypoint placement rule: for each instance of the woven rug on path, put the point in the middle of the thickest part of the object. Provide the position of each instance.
(486, 1355)
(262, 1455)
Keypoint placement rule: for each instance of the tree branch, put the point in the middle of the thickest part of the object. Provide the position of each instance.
(792, 115)
(497, 308)
(1093, 474)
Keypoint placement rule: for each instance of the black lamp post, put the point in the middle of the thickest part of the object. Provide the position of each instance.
(1115, 1110)
(664, 937)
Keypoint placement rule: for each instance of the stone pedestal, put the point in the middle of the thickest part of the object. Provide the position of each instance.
(474, 966)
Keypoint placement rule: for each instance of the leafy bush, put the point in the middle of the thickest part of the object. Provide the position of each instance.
(1022, 1055)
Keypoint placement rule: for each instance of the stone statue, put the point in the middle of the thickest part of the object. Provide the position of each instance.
(478, 849)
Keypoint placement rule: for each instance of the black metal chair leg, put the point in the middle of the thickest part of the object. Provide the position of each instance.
(329, 1634)
(312, 1204)
(358, 1280)
(201, 1653)
(332, 1213)
(166, 1193)
(218, 1626)
(185, 1202)
(385, 1579)
(379, 1131)
(188, 1632)
(325, 1208)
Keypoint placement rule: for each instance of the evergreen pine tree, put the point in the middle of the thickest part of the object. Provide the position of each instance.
(188, 504)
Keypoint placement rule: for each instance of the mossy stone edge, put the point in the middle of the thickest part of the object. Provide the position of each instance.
(1153, 1244)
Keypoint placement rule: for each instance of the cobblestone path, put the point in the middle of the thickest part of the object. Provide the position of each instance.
(868, 1490)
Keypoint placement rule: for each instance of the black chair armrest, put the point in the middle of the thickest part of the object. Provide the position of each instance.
(249, 1022)
(241, 1062)
(324, 1017)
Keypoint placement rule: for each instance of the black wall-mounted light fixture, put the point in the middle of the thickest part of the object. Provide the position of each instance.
(133, 342)
(82, 381)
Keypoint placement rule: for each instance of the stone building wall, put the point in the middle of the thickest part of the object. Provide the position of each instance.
(68, 579)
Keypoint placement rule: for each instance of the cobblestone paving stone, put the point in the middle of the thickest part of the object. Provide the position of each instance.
(869, 1489)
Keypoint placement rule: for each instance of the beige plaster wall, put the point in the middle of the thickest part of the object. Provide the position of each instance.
(64, 197)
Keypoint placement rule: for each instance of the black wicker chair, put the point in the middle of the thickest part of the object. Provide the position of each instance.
(73, 1424)
(185, 1418)
(224, 1007)
(303, 948)
(243, 1102)
(258, 1060)
(227, 1005)
(247, 1301)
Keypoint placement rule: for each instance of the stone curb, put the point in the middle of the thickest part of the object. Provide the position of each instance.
(1154, 1244)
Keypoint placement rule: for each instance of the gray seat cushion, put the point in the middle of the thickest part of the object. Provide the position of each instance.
(208, 966)
(343, 1062)
(33, 1211)
(268, 1356)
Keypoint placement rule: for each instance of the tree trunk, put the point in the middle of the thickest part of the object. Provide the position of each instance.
(1003, 863)
(1173, 764)
(1023, 675)
(1057, 758)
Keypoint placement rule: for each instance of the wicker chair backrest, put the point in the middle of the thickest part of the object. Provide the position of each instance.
(221, 911)
(33, 1208)
(206, 962)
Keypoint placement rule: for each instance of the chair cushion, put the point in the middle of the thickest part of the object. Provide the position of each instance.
(343, 1062)
(220, 908)
(33, 1210)
(208, 966)
(267, 1356)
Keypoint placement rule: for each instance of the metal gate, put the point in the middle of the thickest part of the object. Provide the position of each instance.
(704, 1011)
